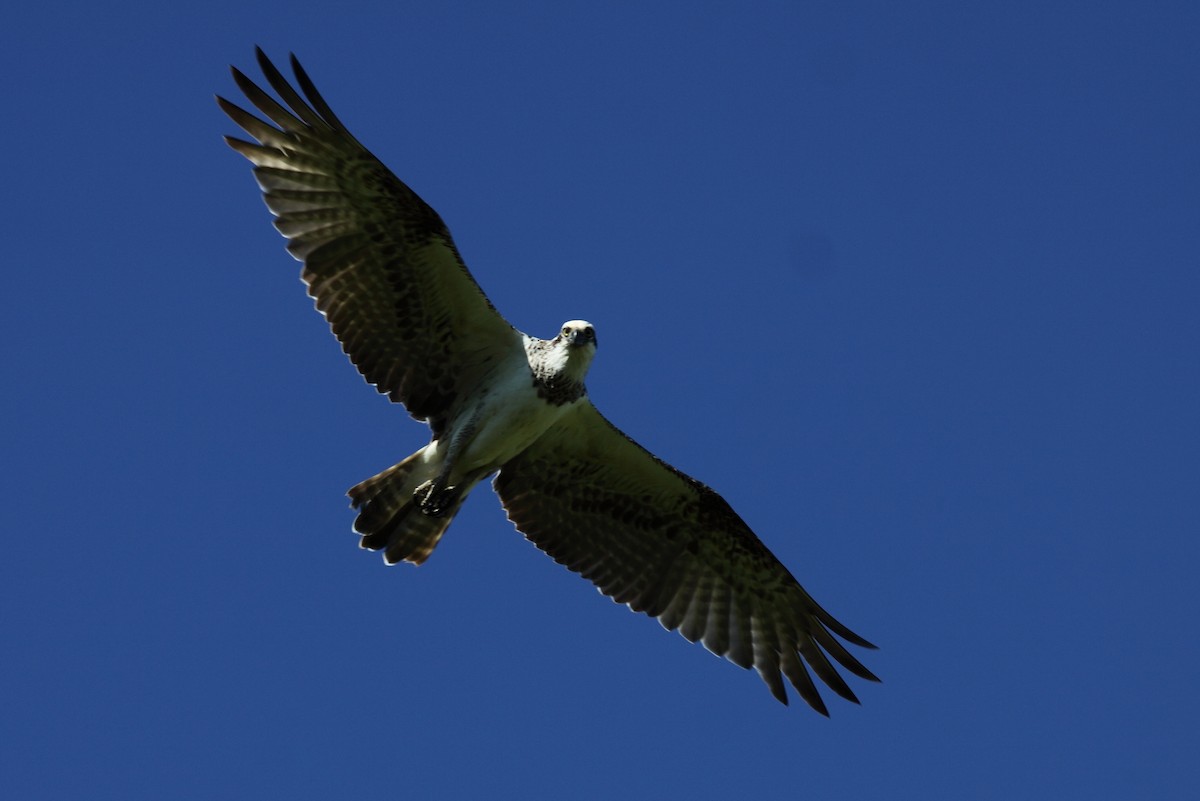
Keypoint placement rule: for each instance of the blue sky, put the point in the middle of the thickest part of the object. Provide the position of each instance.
(914, 286)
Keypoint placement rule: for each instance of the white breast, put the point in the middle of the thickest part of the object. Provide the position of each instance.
(506, 420)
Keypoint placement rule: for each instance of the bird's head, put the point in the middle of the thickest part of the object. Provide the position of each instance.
(573, 349)
(578, 334)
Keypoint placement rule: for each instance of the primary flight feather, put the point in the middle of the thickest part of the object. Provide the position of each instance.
(384, 271)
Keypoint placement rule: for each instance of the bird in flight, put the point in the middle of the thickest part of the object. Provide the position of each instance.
(382, 268)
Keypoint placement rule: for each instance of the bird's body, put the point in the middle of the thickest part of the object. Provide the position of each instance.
(382, 268)
(408, 507)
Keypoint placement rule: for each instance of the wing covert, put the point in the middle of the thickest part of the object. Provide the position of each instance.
(662, 543)
(379, 262)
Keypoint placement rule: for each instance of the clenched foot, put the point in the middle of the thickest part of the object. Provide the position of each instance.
(433, 499)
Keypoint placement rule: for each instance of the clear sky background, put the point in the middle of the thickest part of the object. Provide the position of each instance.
(913, 285)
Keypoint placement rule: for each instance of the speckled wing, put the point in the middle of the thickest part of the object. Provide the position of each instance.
(378, 261)
(664, 544)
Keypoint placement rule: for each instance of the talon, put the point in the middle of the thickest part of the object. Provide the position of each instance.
(433, 500)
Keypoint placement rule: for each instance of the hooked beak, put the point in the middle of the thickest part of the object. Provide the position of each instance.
(583, 336)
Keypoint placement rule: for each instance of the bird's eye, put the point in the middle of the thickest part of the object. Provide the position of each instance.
(566, 330)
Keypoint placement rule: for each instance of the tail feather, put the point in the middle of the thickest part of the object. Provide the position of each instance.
(389, 520)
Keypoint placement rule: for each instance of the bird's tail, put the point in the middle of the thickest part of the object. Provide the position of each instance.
(390, 519)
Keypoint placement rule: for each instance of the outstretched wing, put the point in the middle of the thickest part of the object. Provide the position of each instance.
(378, 261)
(664, 544)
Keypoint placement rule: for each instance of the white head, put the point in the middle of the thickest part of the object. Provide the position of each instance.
(578, 334)
(574, 346)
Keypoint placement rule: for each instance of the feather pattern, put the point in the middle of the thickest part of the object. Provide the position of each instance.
(664, 544)
(378, 261)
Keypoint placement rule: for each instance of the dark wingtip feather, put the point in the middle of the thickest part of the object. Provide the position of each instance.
(239, 77)
(868, 675)
(845, 633)
(285, 91)
(841, 630)
(817, 703)
(260, 56)
(315, 99)
(862, 643)
(820, 664)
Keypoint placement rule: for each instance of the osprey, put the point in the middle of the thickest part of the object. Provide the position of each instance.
(383, 270)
